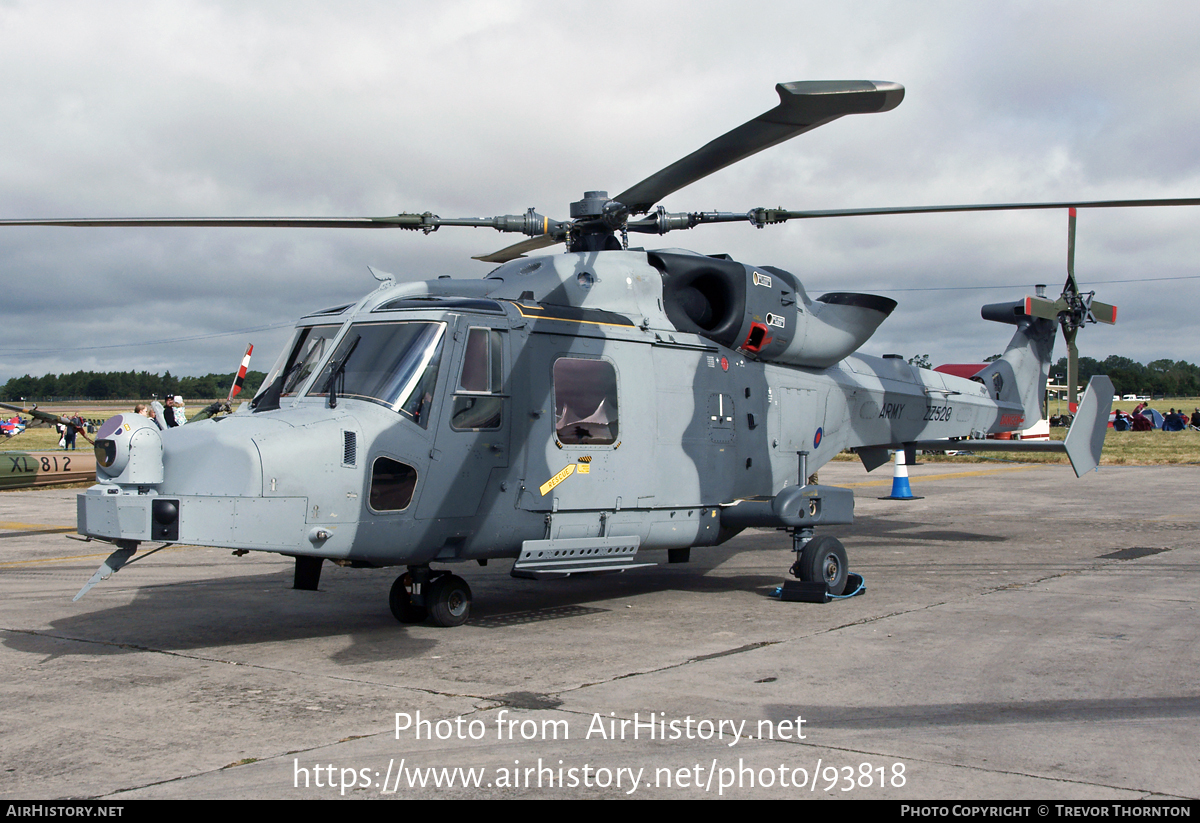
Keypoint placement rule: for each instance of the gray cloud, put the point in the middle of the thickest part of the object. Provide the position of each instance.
(470, 109)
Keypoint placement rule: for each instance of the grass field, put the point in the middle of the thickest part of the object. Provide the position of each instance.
(45, 438)
(36, 440)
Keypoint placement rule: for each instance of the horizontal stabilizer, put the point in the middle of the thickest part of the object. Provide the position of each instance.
(1084, 441)
(991, 445)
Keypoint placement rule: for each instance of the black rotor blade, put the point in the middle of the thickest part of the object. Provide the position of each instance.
(518, 249)
(1071, 285)
(395, 222)
(803, 106)
(779, 215)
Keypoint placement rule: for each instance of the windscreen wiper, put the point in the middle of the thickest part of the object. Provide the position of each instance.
(339, 370)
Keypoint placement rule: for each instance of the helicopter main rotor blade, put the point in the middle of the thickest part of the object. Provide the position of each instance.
(529, 223)
(518, 249)
(234, 222)
(781, 215)
(802, 107)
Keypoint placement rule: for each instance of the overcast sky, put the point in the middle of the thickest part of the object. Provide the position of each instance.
(479, 108)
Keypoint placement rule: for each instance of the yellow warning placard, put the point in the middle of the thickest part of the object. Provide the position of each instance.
(558, 478)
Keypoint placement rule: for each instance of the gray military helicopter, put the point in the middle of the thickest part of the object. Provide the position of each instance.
(571, 411)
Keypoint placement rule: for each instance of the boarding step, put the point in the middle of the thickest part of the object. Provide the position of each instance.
(575, 555)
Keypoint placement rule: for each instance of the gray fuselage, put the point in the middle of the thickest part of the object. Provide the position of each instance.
(451, 420)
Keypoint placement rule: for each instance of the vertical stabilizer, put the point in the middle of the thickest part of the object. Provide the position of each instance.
(1086, 436)
(1019, 376)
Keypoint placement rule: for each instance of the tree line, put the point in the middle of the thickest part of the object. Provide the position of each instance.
(1160, 378)
(1165, 377)
(86, 385)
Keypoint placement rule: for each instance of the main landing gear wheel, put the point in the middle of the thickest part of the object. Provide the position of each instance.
(400, 601)
(823, 559)
(449, 600)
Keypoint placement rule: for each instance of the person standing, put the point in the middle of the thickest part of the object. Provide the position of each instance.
(169, 413)
(74, 425)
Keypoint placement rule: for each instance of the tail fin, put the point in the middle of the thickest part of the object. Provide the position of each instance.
(1019, 376)
(1085, 438)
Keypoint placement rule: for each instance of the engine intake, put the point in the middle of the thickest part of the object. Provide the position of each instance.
(764, 311)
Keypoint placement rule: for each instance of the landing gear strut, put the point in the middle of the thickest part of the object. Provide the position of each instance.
(420, 592)
(308, 573)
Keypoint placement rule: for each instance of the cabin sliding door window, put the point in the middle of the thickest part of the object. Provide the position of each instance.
(585, 401)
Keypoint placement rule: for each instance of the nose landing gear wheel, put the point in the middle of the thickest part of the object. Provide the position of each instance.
(823, 559)
(400, 601)
(449, 600)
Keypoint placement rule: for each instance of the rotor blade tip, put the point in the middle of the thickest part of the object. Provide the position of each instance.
(865, 91)
(893, 94)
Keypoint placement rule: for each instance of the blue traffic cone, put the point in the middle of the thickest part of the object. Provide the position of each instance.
(901, 490)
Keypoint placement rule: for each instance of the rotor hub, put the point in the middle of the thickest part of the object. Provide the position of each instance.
(591, 207)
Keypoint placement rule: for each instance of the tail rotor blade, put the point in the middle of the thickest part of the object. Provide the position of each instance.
(1103, 312)
(1048, 309)
(1071, 285)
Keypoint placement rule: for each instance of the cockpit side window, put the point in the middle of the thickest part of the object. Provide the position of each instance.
(311, 350)
(585, 401)
(297, 363)
(478, 403)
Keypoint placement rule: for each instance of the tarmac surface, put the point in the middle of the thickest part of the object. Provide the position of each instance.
(1023, 635)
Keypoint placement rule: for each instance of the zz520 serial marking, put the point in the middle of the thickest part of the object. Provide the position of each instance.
(939, 414)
